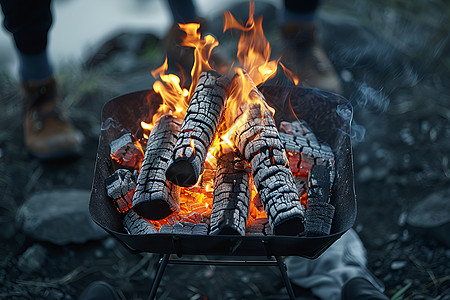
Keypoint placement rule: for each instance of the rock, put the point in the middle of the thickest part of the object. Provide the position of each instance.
(60, 217)
(431, 216)
(32, 259)
(397, 265)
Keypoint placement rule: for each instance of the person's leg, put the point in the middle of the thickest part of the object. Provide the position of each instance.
(29, 22)
(303, 52)
(47, 130)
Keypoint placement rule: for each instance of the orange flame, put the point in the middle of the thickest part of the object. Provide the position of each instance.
(253, 48)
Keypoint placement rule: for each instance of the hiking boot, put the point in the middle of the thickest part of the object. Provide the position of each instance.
(48, 131)
(304, 55)
(181, 58)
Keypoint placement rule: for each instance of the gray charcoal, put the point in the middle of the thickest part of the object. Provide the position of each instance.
(231, 196)
(120, 186)
(125, 152)
(260, 226)
(155, 197)
(185, 228)
(258, 140)
(136, 225)
(199, 126)
(319, 217)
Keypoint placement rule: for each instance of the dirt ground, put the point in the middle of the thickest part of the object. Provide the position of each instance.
(393, 58)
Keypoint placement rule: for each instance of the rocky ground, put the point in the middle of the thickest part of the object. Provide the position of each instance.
(393, 59)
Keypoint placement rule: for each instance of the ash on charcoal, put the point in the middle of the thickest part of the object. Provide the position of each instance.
(198, 129)
(134, 224)
(155, 197)
(258, 227)
(120, 186)
(125, 152)
(257, 139)
(185, 228)
(231, 196)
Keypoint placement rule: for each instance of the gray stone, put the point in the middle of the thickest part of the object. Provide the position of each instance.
(60, 217)
(32, 259)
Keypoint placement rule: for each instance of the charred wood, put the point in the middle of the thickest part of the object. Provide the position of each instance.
(319, 213)
(185, 228)
(155, 197)
(258, 140)
(260, 226)
(125, 152)
(197, 131)
(134, 224)
(232, 193)
(120, 186)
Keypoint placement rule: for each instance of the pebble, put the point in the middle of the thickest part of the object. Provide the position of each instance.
(32, 259)
(397, 265)
(59, 216)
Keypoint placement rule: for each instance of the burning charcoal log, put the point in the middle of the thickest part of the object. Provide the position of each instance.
(185, 228)
(125, 152)
(198, 129)
(134, 224)
(304, 150)
(120, 186)
(260, 226)
(155, 197)
(231, 196)
(320, 212)
(258, 140)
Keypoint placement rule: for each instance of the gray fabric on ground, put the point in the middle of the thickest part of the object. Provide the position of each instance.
(326, 275)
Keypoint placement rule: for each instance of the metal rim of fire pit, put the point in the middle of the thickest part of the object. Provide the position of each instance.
(329, 115)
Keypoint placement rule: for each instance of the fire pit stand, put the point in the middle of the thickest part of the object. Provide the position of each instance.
(329, 116)
(165, 259)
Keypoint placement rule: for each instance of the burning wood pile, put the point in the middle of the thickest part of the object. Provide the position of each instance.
(214, 160)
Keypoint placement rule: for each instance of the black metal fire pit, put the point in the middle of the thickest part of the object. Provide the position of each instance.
(329, 117)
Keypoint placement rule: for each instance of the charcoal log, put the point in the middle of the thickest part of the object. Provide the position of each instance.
(155, 197)
(319, 212)
(258, 140)
(304, 150)
(120, 186)
(259, 226)
(185, 228)
(197, 131)
(125, 152)
(134, 224)
(232, 193)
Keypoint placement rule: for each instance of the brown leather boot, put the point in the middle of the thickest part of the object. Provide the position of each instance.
(48, 131)
(303, 54)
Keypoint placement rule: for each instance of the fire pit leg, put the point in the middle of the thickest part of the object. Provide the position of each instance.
(287, 283)
(159, 273)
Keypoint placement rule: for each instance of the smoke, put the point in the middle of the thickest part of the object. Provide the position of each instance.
(369, 98)
(357, 132)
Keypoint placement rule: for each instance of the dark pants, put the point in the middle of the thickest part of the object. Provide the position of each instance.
(29, 22)
(301, 6)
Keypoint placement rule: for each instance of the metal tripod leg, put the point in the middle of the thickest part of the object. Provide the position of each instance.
(287, 283)
(159, 273)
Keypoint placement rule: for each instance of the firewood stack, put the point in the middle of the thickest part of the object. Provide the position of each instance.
(285, 167)
(155, 197)
(198, 129)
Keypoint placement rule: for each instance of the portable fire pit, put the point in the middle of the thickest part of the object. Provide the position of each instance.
(329, 117)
